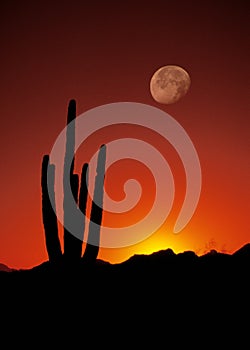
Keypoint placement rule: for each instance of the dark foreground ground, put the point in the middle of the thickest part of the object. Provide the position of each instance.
(165, 291)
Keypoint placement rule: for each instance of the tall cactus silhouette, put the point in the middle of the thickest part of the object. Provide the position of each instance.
(49, 215)
(72, 244)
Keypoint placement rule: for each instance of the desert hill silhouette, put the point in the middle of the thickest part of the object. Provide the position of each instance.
(6, 268)
(162, 267)
(161, 260)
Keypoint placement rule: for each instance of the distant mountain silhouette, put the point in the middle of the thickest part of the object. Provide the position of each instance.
(160, 265)
(5, 268)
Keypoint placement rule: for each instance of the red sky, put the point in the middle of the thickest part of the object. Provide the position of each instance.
(104, 52)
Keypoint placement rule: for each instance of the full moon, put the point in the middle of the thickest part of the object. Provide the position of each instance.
(169, 84)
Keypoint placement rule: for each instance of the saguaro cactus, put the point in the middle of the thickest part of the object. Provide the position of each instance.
(72, 244)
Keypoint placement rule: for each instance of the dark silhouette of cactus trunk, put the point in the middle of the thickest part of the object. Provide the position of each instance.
(93, 243)
(48, 211)
(72, 244)
(83, 193)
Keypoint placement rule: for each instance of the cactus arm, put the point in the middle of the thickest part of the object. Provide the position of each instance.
(48, 210)
(93, 242)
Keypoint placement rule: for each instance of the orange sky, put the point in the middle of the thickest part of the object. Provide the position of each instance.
(102, 53)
